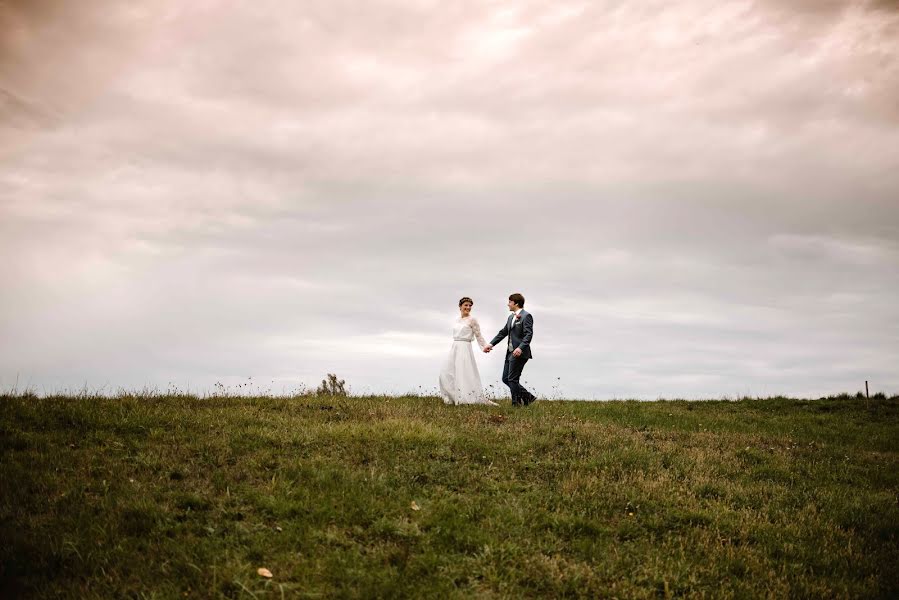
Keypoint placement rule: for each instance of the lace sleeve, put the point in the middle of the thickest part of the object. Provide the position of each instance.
(476, 328)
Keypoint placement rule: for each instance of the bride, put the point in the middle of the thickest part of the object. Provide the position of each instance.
(460, 382)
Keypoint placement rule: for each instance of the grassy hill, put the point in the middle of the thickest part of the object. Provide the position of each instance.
(178, 496)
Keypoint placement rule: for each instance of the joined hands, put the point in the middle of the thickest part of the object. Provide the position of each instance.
(516, 353)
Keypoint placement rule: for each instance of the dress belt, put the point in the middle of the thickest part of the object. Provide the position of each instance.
(460, 340)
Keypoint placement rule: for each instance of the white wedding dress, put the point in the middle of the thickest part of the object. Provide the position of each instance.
(460, 382)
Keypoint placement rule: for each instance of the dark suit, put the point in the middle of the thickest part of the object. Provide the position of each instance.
(519, 331)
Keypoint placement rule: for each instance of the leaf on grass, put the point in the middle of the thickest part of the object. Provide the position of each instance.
(264, 572)
(415, 506)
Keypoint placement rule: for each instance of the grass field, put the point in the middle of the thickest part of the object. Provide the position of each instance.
(178, 496)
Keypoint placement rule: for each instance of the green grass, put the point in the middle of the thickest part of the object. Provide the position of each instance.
(173, 496)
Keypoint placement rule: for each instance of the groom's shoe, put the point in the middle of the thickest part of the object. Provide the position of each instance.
(530, 399)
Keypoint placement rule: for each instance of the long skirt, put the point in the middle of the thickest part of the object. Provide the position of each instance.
(460, 382)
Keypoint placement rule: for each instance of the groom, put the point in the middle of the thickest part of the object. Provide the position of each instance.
(520, 329)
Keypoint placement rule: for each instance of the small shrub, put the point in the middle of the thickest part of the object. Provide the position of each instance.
(332, 386)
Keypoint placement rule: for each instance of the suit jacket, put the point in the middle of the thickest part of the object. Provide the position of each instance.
(520, 332)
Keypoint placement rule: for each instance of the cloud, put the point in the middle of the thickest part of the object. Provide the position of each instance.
(819, 248)
(697, 199)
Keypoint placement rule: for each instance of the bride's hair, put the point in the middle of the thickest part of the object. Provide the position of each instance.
(464, 300)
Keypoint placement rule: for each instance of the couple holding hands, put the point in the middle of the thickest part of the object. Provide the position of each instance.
(460, 381)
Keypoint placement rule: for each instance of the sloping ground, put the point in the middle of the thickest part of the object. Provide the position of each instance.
(174, 496)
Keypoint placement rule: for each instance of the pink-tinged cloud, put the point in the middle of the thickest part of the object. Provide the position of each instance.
(697, 198)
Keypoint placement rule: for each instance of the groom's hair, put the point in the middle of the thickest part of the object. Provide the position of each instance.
(517, 299)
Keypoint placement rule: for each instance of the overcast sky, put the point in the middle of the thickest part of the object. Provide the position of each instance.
(698, 199)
